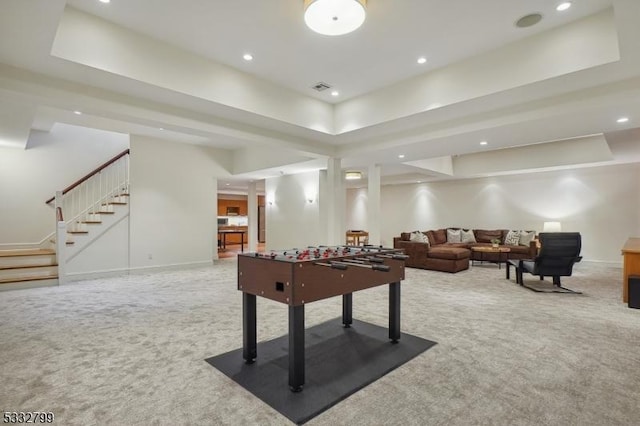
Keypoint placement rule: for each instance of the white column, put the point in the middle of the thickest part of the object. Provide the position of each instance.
(333, 203)
(373, 205)
(61, 240)
(214, 206)
(252, 212)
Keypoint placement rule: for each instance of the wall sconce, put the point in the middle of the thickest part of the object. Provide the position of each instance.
(270, 199)
(310, 196)
(551, 227)
(353, 175)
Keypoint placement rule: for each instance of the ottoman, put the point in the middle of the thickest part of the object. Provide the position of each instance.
(448, 259)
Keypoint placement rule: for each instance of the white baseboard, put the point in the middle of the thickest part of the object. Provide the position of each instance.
(602, 262)
(170, 266)
(80, 276)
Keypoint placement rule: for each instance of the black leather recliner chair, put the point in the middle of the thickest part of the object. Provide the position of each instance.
(559, 251)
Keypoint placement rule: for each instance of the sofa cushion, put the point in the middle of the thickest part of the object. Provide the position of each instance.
(418, 237)
(467, 236)
(519, 249)
(512, 238)
(526, 237)
(452, 253)
(439, 236)
(417, 250)
(458, 245)
(485, 236)
(431, 237)
(454, 236)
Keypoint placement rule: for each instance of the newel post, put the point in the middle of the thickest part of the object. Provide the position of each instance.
(61, 239)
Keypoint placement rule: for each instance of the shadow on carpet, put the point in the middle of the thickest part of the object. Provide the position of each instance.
(339, 362)
(547, 287)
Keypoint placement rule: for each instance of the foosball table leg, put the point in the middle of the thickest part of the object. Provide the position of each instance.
(347, 304)
(394, 312)
(249, 336)
(296, 348)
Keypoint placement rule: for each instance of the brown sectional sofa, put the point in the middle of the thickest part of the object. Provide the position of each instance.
(440, 255)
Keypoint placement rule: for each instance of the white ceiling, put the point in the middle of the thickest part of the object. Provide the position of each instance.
(269, 103)
(382, 52)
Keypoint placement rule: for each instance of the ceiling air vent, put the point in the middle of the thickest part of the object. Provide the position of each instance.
(320, 86)
(528, 20)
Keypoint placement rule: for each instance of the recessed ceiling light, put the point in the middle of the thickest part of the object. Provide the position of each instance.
(335, 93)
(563, 6)
(484, 143)
(105, 1)
(227, 184)
(422, 60)
(77, 112)
(401, 156)
(160, 128)
(418, 181)
(622, 119)
(247, 57)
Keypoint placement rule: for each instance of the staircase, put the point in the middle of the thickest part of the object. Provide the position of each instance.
(22, 268)
(93, 205)
(84, 230)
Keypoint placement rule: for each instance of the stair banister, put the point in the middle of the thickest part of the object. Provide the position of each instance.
(83, 202)
(94, 172)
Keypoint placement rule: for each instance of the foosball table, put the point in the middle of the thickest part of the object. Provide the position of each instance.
(299, 276)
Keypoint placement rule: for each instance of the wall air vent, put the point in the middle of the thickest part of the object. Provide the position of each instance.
(320, 86)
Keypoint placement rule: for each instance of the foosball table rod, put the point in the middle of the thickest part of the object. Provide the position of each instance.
(375, 267)
(333, 265)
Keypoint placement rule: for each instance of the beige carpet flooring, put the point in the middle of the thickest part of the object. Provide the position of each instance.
(130, 350)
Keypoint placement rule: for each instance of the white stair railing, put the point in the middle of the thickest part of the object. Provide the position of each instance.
(88, 198)
(85, 201)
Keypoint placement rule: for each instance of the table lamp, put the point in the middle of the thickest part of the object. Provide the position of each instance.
(551, 227)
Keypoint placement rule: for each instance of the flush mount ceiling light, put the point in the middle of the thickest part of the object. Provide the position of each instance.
(334, 17)
(353, 175)
(563, 6)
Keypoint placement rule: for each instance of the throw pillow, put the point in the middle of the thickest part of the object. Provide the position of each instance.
(453, 236)
(485, 236)
(419, 237)
(526, 237)
(512, 238)
(467, 236)
(439, 236)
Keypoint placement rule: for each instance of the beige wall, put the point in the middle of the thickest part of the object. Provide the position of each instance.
(173, 202)
(53, 161)
(291, 221)
(602, 203)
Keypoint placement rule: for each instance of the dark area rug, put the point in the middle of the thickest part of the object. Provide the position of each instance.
(339, 362)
